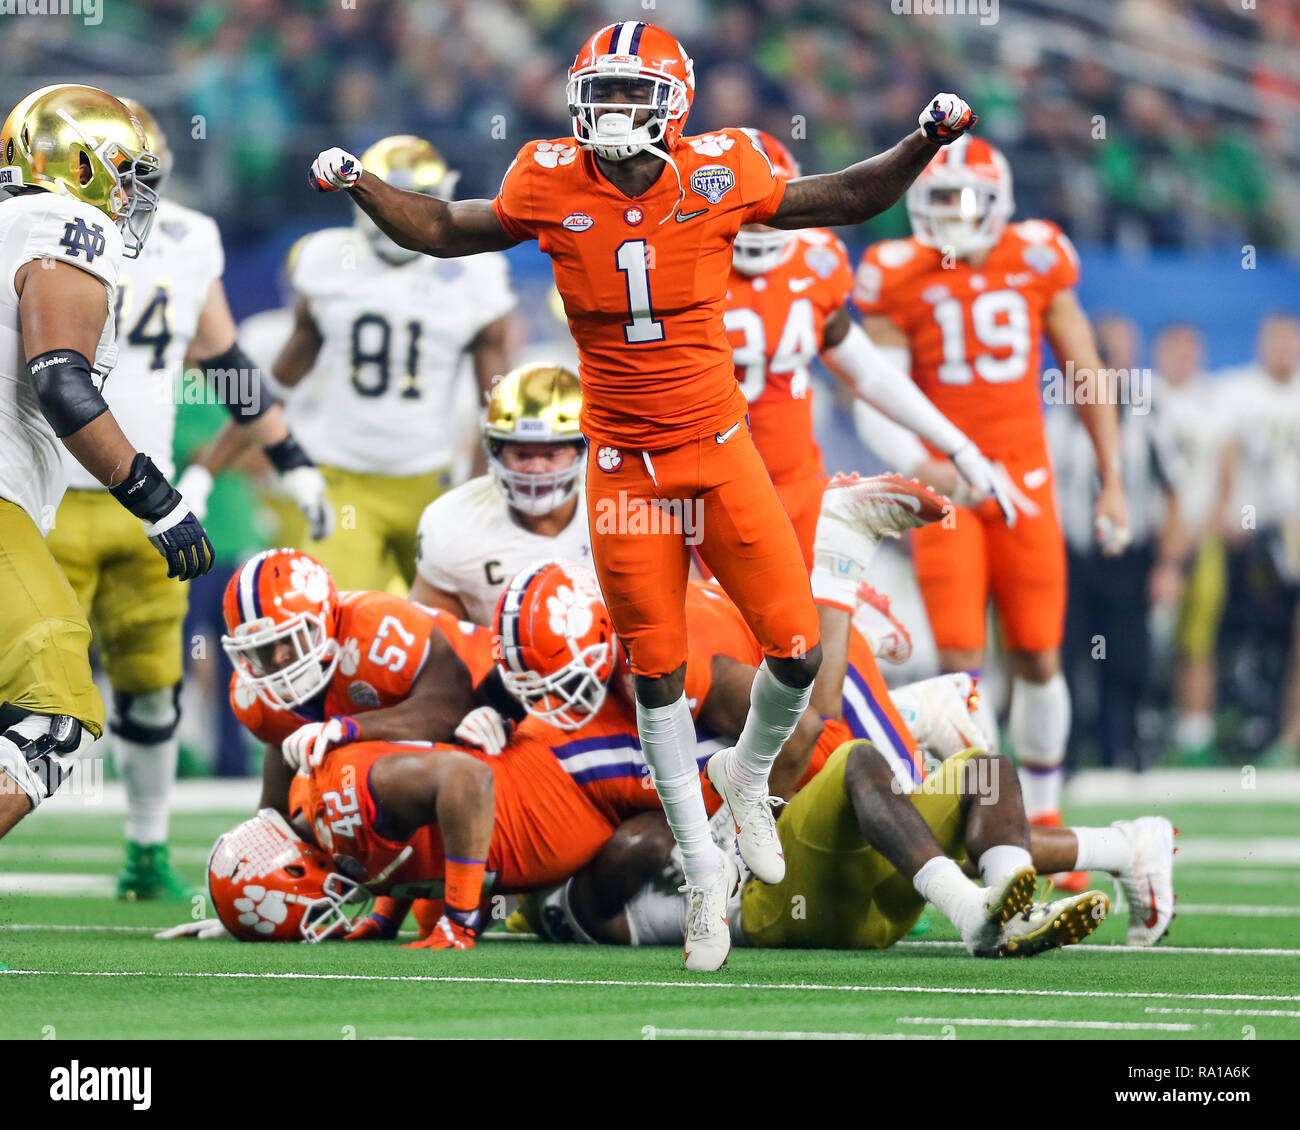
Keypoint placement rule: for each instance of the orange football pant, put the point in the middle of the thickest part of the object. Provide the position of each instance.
(802, 499)
(960, 564)
(647, 510)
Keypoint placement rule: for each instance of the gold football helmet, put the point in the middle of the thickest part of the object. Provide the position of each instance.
(157, 143)
(537, 404)
(409, 163)
(82, 142)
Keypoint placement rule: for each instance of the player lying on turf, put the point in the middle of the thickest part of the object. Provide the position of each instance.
(639, 221)
(855, 838)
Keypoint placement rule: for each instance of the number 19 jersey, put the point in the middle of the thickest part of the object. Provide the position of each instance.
(394, 339)
(644, 279)
(975, 332)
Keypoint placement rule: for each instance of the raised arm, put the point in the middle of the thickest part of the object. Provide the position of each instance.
(866, 189)
(445, 228)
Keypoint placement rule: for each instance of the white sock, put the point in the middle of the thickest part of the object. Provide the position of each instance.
(774, 711)
(941, 882)
(1000, 861)
(148, 770)
(1102, 849)
(1040, 728)
(668, 742)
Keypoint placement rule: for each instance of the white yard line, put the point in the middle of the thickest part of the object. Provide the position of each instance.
(929, 990)
(1238, 910)
(1189, 786)
(650, 1032)
(1284, 1012)
(1093, 948)
(1031, 1022)
(51, 884)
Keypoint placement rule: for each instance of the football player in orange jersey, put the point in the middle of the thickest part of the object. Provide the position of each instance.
(971, 295)
(641, 260)
(787, 303)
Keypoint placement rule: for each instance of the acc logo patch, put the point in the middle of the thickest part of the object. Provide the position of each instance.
(363, 694)
(609, 458)
(1041, 259)
(577, 221)
(713, 182)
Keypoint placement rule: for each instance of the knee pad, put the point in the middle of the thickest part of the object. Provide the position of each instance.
(149, 718)
(36, 750)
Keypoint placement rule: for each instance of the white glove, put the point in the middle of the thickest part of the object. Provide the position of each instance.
(307, 746)
(195, 484)
(204, 929)
(306, 486)
(1113, 539)
(484, 729)
(984, 479)
(334, 169)
(946, 118)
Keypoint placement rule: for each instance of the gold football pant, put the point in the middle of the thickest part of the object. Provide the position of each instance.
(838, 892)
(44, 636)
(135, 610)
(375, 523)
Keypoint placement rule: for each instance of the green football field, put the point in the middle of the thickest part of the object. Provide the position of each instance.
(82, 965)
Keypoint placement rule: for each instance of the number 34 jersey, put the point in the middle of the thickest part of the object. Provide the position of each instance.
(393, 342)
(159, 298)
(975, 333)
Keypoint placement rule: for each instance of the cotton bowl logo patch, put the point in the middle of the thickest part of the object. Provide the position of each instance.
(713, 182)
(577, 221)
(609, 458)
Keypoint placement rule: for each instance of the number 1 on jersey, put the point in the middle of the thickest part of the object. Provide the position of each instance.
(633, 262)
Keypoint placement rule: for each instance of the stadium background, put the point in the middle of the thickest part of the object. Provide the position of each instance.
(1162, 134)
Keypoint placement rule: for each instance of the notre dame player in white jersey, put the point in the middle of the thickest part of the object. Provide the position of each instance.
(72, 205)
(169, 305)
(384, 332)
(476, 537)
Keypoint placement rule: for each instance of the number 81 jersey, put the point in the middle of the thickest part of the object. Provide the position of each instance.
(975, 333)
(393, 338)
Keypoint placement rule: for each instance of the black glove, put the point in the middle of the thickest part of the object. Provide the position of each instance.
(168, 522)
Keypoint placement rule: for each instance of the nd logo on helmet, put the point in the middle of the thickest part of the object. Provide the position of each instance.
(79, 237)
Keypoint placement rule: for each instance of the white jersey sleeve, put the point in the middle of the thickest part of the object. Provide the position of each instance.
(58, 229)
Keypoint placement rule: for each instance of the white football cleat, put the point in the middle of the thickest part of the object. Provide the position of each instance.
(755, 824)
(708, 933)
(1148, 884)
(940, 713)
(1004, 900)
(856, 514)
(1051, 925)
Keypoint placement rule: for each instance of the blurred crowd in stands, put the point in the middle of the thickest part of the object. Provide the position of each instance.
(1161, 123)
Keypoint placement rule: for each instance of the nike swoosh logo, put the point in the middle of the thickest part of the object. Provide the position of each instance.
(722, 437)
(681, 219)
(1036, 478)
(797, 285)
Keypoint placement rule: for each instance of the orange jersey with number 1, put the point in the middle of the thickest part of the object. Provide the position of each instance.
(775, 323)
(644, 279)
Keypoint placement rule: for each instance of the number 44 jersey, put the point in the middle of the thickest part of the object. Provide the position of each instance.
(975, 333)
(394, 338)
(157, 305)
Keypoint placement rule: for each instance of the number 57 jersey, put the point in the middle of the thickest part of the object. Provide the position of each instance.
(393, 341)
(975, 333)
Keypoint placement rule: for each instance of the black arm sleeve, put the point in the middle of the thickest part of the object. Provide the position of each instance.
(238, 384)
(65, 390)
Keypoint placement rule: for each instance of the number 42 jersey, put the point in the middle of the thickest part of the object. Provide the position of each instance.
(975, 333)
(393, 342)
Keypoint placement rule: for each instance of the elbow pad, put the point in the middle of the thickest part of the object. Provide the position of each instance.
(239, 384)
(65, 390)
